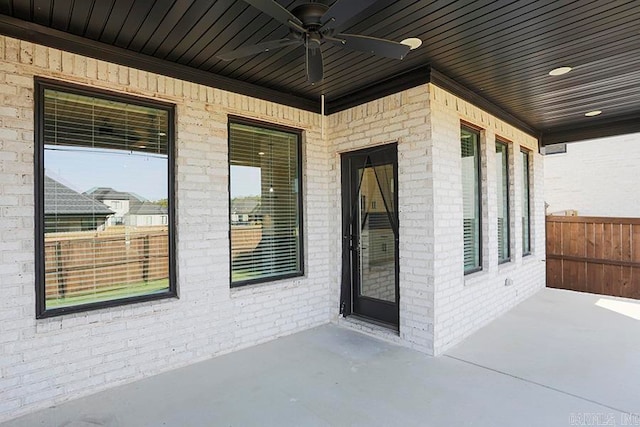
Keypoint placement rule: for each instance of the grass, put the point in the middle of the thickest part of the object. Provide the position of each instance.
(238, 275)
(111, 293)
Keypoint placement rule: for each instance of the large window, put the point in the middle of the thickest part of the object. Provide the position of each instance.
(104, 203)
(526, 204)
(265, 205)
(470, 148)
(502, 169)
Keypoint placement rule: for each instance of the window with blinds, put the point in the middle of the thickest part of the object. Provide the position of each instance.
(502, 170)
(265, 203)
(526, 204)
(470, 149)
(104, 199)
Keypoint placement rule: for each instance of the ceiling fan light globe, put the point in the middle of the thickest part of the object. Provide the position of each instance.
(412, 42)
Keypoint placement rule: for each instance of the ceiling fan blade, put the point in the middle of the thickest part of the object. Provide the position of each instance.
(342, 11)
(243, 51)
(315, 68)
(275, 10)
(380, 47)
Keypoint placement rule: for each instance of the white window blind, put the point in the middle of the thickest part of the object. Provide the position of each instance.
(526, 202)
(105, 193)
(502, 170)
(265, 212)
(470, 141)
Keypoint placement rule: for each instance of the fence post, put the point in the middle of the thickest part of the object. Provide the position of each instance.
(62, 286)
(145, 259)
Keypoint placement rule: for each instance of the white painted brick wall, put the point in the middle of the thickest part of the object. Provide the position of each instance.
(462, 303)
(595, 177)
(43, 362)
(401, 118)
(439, 306)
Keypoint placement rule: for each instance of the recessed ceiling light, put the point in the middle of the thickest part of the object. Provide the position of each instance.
(560, 71)
(412, 42)
(261, 153)
(593, 113)
(162, 134)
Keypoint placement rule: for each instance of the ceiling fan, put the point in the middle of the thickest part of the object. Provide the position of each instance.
(310, 24)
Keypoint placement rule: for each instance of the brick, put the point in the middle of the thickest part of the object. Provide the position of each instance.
(46, 395)
(94, 350)
(6, 406)
(606, 174)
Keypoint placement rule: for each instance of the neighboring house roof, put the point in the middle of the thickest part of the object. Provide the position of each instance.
(146, 208)
(62, 200)
(245, 205)
(137, 205)
(108, 193)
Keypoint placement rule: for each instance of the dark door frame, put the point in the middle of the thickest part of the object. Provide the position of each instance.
(350, 269)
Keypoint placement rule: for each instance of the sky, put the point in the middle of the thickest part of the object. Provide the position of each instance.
(245, 181)
(82, 169)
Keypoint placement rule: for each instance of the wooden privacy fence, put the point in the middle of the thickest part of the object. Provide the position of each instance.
(594, 254)
(244, 238)
(81, 262)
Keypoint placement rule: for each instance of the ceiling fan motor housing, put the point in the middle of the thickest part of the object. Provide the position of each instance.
(310, 14)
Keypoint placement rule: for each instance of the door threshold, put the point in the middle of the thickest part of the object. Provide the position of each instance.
(372, 321)
(371, 327)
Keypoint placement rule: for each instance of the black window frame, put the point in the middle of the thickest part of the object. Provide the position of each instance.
(40, 85)
(507, 146)
(477, 131)
(233, 119)
(526, 172)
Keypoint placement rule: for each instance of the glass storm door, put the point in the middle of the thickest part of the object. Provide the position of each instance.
(370, 234)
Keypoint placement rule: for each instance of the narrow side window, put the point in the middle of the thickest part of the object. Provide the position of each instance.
(502, 179)
(526, 203)
(470, 151)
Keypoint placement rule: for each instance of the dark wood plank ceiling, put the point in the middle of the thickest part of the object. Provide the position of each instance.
(501, 50)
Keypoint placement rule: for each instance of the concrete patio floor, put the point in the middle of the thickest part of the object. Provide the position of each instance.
(557, 359)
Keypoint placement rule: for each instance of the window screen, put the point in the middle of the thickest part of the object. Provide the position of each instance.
(502, 169)
(104, 199)
(265, 214)
(470, 147)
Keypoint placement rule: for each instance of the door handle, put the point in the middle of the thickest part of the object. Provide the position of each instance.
(350, 239)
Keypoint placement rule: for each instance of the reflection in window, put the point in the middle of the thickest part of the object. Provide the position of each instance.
(104, 199)
(502, 169)
(470, 143)
(265, 212)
